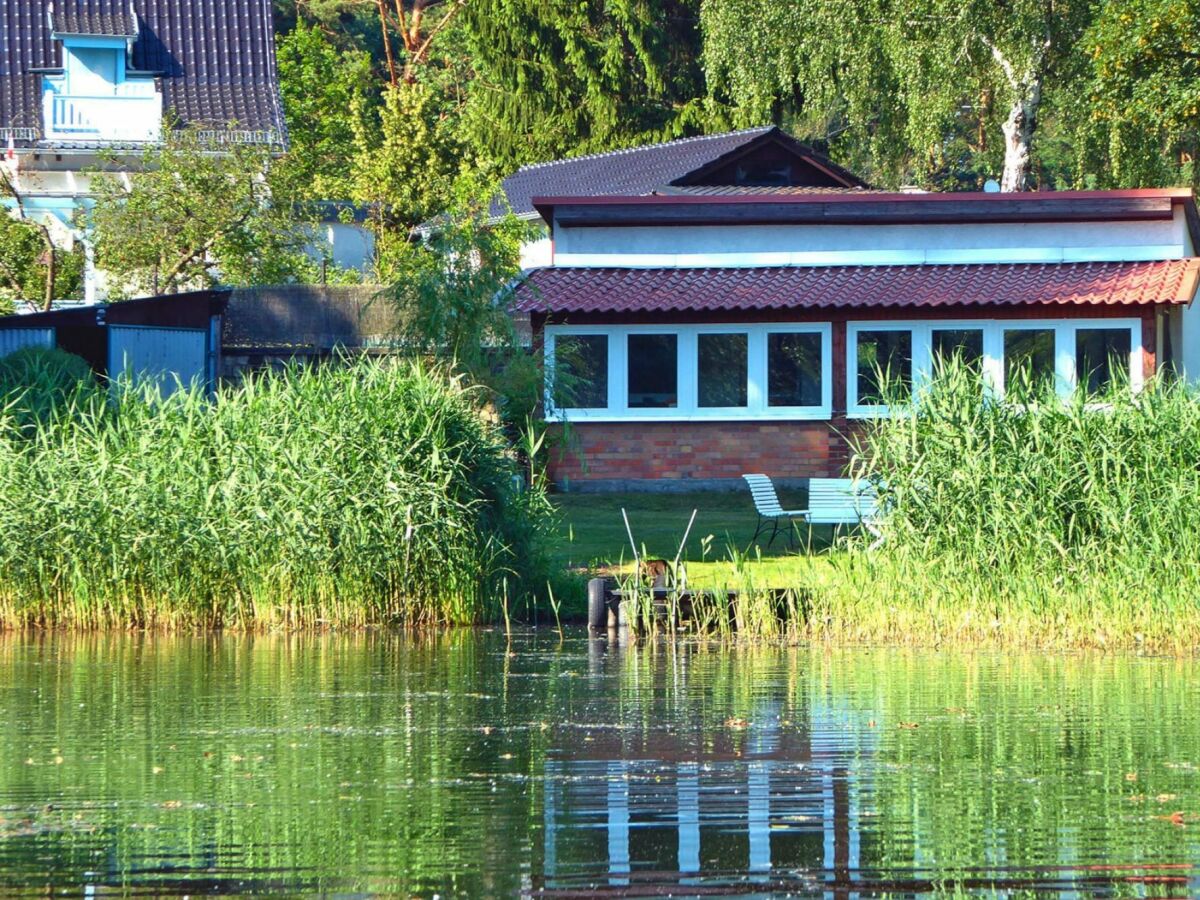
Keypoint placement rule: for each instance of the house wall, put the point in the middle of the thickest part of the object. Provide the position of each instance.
(691, 455)
(858, 244)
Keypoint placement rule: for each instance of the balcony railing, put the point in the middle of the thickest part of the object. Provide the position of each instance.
(133, 114)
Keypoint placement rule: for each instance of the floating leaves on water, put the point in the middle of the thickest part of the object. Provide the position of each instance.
(909, 726)
(737, 723)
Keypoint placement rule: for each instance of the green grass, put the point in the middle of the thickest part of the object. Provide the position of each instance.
(592, 535)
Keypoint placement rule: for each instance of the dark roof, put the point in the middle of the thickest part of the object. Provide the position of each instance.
(614, 290)
(67, 18)
(217, 58)
(187, 310)
(642, 170)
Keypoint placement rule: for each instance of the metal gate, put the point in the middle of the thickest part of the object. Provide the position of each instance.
(166, 357)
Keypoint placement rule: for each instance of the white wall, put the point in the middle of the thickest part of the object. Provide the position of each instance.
(784, 245)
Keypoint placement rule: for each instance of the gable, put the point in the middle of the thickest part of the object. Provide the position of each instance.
(769, 163)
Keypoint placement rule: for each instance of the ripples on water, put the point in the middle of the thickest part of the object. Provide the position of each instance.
(456, 765)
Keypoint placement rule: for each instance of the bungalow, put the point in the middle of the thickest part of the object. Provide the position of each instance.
(714, 330)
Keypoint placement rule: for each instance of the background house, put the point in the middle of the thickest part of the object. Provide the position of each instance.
(716, 335)
(81, 77)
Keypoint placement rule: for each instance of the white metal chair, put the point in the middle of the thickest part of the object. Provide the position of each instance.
(770, 511)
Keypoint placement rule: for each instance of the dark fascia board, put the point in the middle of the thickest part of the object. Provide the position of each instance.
(1063, 206)
(777, 136)
(95, 314)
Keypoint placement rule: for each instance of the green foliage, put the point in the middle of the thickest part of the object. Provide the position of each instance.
(404, 161)
(556, 79)
(825, 67)
(452, 288)
(325, 93)
(1140, 126)
(356, 494)
(36, 383)
(23, 268)
(194, 215)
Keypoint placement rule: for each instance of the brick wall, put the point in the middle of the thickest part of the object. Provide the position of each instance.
(707, 451)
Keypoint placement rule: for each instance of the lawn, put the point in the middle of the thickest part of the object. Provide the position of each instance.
(593, 535)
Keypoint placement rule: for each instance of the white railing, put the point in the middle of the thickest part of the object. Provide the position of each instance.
(133, 114)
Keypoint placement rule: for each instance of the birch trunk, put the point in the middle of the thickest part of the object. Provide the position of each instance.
(1018, 136)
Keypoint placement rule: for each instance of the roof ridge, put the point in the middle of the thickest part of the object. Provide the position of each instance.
(760, 129)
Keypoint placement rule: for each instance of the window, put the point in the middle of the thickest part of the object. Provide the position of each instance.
(1028, 361)
(794, 369)
(1014, 358)
(1101, 358)
(683, 372)
(721, 376)
(884, 364)
(581, 371)
(653, 371)
(964, 345)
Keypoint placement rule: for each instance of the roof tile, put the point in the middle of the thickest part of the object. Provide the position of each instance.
(615, 290)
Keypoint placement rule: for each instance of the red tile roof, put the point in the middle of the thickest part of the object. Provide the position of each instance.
(586, 290)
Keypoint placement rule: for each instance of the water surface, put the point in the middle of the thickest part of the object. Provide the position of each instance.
(463, 765)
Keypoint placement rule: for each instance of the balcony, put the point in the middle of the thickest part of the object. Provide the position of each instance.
(131, 113)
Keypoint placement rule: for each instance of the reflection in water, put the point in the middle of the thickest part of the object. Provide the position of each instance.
(461, 765)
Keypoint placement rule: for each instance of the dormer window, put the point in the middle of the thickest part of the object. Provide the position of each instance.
(97, 95)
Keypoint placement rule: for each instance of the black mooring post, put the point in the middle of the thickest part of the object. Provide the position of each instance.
(597, 608)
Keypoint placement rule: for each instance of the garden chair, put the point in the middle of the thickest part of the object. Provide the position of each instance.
(770, 512)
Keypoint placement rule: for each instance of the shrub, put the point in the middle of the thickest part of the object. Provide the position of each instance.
(38, 381)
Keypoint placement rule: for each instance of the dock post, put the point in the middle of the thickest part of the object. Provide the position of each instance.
(597, 607)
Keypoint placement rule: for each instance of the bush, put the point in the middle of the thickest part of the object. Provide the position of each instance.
(369, 493)
(38, 381)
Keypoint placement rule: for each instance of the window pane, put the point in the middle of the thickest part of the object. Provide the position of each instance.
(1029, 361)
(794, 369)
(1101, 357)
(653, 371)
(581, 371)
(886, 354)
(963, 344)
(722, 364)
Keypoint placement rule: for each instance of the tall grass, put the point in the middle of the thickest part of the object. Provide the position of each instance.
(1069, 522)
(369, 493)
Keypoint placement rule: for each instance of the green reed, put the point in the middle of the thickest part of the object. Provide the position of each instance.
(1072, 522)
(366, 493)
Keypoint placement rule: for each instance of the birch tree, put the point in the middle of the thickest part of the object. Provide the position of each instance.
(902, 77)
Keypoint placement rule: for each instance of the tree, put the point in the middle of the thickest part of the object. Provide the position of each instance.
(556, 78)
(1137, 122)
(192, 214)
(452, 289)
(34, 270)
(326, 92)
(948, 67)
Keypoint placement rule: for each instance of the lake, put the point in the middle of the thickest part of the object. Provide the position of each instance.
(465, 765)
